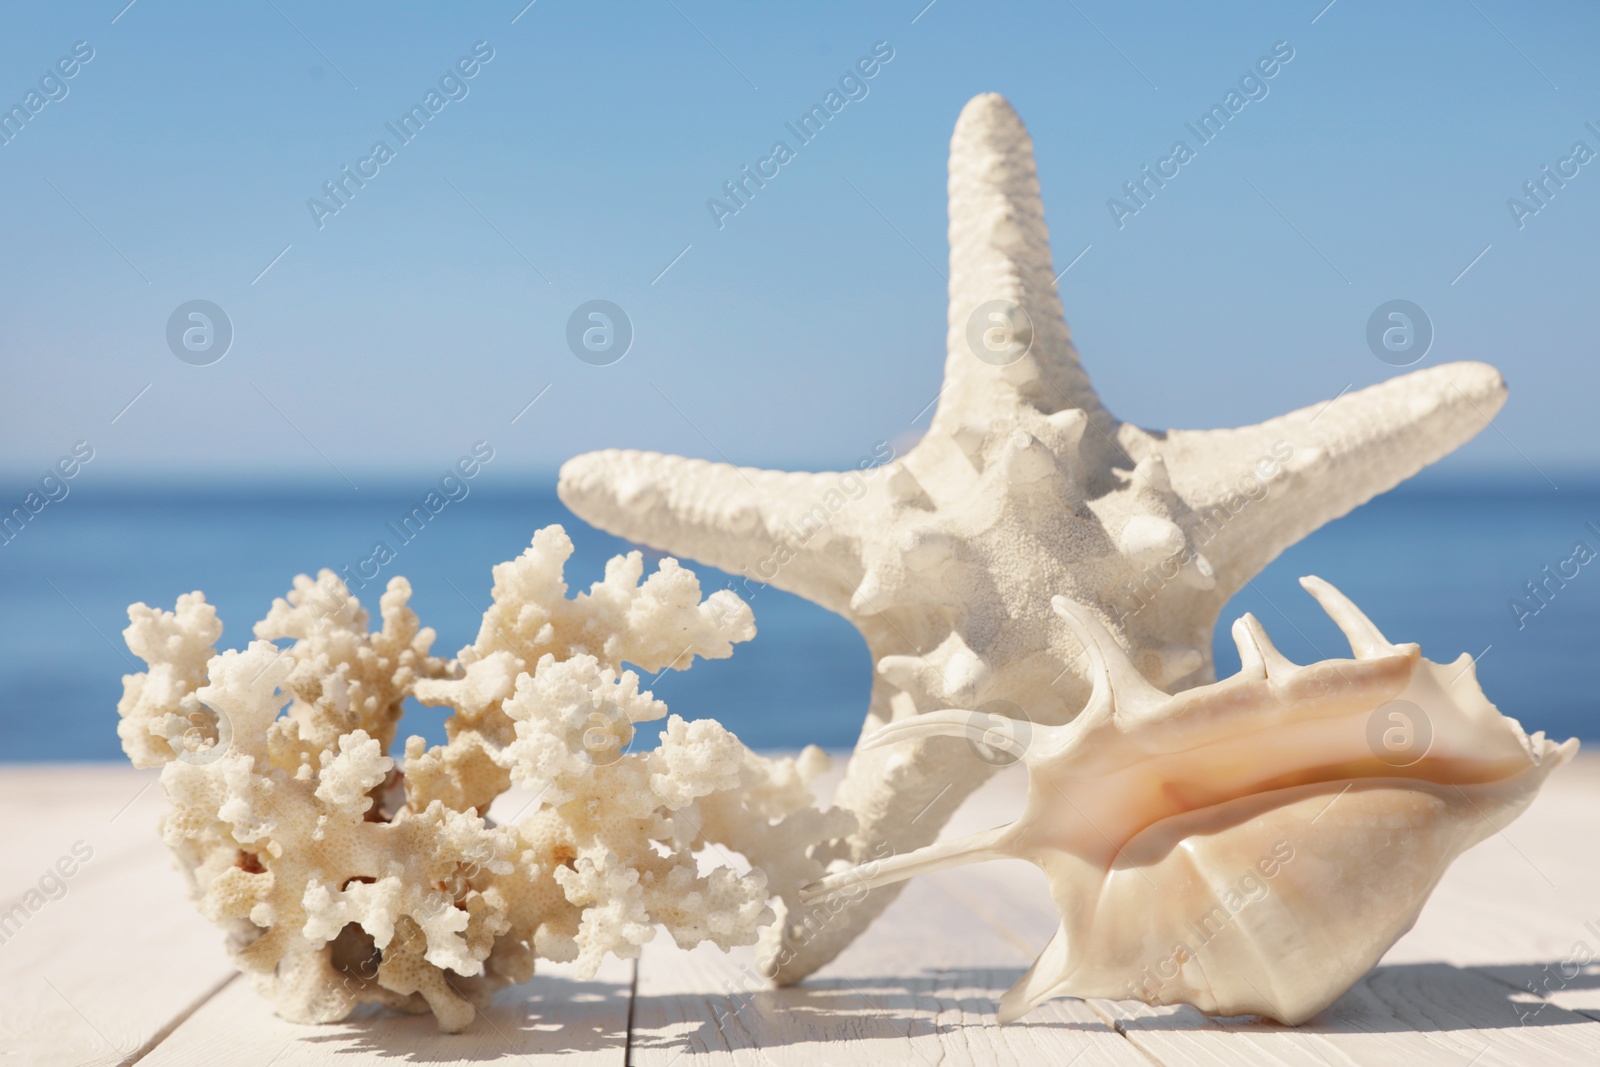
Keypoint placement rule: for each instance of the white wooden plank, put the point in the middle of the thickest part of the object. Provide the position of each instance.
(1464, 1013)
(919, 987)
(103, 973)
(97, 976)
(583, 1024)
(45, 811)
(1409, 1015)
(1184, 1037)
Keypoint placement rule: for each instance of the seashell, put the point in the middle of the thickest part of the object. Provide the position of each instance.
(1252, 846)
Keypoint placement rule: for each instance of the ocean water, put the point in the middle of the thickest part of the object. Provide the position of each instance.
(1436, 562)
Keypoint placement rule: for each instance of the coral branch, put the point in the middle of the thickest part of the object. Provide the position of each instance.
(343, 880)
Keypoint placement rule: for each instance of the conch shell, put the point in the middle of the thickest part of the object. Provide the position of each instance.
(1252, 846)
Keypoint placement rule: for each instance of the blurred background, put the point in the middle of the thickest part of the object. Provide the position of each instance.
(356, 336)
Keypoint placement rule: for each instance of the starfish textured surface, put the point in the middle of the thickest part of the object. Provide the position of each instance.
(1025, 487)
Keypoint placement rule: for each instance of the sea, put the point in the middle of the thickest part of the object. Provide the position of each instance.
(1504, 569)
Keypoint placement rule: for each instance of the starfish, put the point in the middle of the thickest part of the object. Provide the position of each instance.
(1023, 488)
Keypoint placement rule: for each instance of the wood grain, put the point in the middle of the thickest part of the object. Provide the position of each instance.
(1502, 968)
(102, 973)
(584, 1024)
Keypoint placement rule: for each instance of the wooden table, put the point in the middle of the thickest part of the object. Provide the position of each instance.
(119, 968)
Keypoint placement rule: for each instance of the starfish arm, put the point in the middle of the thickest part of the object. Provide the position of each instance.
(1007, 335)
(1255, 490)
(795, 531)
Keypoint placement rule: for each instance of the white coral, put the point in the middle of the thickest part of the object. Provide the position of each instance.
(159, 708)
(348, 776)
(344, 881)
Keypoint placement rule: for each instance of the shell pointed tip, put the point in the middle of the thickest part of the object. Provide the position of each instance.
(1010, 1010)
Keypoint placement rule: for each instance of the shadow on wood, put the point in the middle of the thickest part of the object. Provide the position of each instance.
(1403, 998)
(1397, 998)
(1572, 982)
(829, 1010)
(549, 1015)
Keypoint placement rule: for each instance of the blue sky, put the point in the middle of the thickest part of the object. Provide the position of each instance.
(428, 311)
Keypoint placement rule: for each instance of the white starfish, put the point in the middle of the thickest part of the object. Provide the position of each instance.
(1025, 487)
